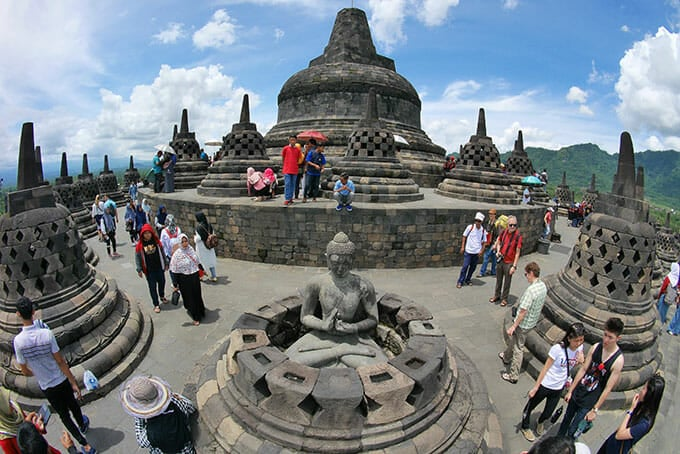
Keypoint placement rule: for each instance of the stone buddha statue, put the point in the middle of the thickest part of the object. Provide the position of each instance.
(340, 309)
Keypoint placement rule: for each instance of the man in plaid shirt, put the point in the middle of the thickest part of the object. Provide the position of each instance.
(530, 307)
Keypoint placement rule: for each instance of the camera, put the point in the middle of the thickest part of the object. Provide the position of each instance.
(499, 257)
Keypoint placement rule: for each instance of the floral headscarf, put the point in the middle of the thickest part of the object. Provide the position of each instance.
(184, 260)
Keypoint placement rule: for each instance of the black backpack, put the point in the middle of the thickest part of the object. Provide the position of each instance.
(169, 431)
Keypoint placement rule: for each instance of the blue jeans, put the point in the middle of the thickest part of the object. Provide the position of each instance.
(156, 281)
(469, 265)
(571, 419)
(662, 307)
(289, 180)
(674, 327)
(311, 186)
(489, 257)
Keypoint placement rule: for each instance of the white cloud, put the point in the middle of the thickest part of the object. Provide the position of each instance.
(585, 110)
(649, 84)
(461, 88)
(171, 34)
(575, 94)
(387, 21)
(278, 34)
(434, 12)
(510, 4)
(146, 118)
(625, 28)
(219, 32)
(599, 76)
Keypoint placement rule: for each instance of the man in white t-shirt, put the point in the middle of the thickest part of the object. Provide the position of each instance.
(472, 248)
(38, 355)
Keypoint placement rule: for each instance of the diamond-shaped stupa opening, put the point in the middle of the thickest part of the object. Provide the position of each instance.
(579, 272)
(611, 287)
(594, 281)
(39, 285)
(19, 235)
(608, 267)
(25, 269)
(621, 255)
(578, 254)
(13, 253)
(4, 239)
(49, 245)
(588, 243)
(54, 227)
(616, 237)
(44, 264)
(626, 273)
(590, 261)
(633, 241)
(629, 290)
(603, 250)
(20, 289)
(641, 274)
(598, 233)
(636, 257)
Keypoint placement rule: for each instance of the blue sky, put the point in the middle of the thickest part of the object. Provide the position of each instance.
(112, 76)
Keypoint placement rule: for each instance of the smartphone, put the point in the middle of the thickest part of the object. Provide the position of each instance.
(45, 413)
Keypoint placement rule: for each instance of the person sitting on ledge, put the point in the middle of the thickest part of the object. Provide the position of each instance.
(348, 310)
(256, 185)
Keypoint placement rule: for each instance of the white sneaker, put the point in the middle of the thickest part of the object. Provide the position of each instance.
(528, 434)
(540, 429)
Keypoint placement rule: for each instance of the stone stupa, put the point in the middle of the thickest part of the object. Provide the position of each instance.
(591, 194)
(108, 184)
(243, 147)
(68, 195)
(478, 176)
(372, 164)
(131, 174)
(86, 185)
(609, 274)
(667, 251)
(518, 166)
(42, 257)
(330, 95)
(565, 196)
(190, 169)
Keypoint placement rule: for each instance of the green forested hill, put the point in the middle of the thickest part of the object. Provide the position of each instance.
(662, 170)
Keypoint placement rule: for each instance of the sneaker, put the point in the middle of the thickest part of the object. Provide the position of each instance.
(528, 434)
(348, 208)
(338, 208)
(91, 451)
(214, 279)
(287, 202)
(481, 275)
(540, 429)
(86, 425)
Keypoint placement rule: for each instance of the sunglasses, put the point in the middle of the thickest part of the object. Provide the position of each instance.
(512, 225)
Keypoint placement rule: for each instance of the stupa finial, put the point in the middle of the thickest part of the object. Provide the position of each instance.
(184, 126)
(624, 180)
(132, 163)
(245, 110)
(106, 163)
(38, 164)
(27, 177)
(86, 166)
(481, 123)
(63, 170)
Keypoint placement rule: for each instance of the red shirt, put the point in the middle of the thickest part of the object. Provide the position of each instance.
(290, 155)
(509, 244)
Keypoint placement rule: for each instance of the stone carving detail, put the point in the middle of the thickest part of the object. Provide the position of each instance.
(609, 274)
(43, 257)
(477, 175)
(372, 164)
(243, 147)
(416, 399)
(190, 169)
(331, 93)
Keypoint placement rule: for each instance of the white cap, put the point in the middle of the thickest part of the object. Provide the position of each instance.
(551, 209)
(479, 217)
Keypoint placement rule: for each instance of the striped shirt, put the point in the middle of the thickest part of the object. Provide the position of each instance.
(532, 301)
(35, 347)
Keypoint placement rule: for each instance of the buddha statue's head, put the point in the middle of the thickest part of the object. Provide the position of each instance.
(340, 254)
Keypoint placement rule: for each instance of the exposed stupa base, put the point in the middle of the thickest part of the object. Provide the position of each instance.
(252, 398)
(227, 178)
(479, 186)
(189, 174)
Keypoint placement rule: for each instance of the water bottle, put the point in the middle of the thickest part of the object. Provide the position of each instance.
(556, 416)
(583, 427)
(90, 381)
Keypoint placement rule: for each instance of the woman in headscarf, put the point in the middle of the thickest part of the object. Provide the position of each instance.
(130, 217)
(147, 209)
(160, 219)
(170, 240)
(108, 229)
(256, 184)
(11, 417)
(150, 261)
(669, 286)
(140, 219)
(673, 281)
(184, 266)
(270, 178)
(206, 256)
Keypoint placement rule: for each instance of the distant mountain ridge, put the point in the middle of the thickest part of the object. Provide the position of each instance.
(662, 169)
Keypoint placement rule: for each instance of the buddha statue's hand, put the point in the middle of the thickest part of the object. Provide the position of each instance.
(328, 324)
(345, 328)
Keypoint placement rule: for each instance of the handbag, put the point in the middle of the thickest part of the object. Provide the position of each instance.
(671, 295)
(175, 297)
(201, 271)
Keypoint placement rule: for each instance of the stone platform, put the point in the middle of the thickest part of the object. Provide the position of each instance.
(424, 233)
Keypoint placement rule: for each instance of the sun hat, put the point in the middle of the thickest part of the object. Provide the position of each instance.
(145, 396)
(479, 217)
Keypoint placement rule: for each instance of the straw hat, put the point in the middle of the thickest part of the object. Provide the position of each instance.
(145, 397)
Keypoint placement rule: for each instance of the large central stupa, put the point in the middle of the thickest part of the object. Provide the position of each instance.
(331, 94)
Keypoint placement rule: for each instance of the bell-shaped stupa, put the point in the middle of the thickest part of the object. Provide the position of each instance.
(190, 169)
(518, 166)
(108, 184)
(591, 194)
(372, 164)
(609, 274)
(66, 193)
(131, 174)
(565, 196)
(42, 257)
(330, 95)
(243, 147)
(86, 185)
(478, 174)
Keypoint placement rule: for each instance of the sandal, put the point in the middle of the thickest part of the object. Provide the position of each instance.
(164, 300)
(157, 309)
(505, 376)
(196, 323)
(458, 285)
(493, 300)
(504, 303)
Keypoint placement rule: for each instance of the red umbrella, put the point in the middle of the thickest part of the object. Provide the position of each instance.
(306, 135)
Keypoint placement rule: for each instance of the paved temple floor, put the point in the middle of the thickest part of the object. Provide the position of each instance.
(465, 315)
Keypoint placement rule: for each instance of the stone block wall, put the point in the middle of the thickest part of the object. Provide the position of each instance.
(407, 236)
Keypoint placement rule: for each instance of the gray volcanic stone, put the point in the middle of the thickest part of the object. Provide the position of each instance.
(190, 169)
(291, 384)
(423, 370)
(387, 390)
(330, 96)
(131, 174)
(339, 392)
(253, 366)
